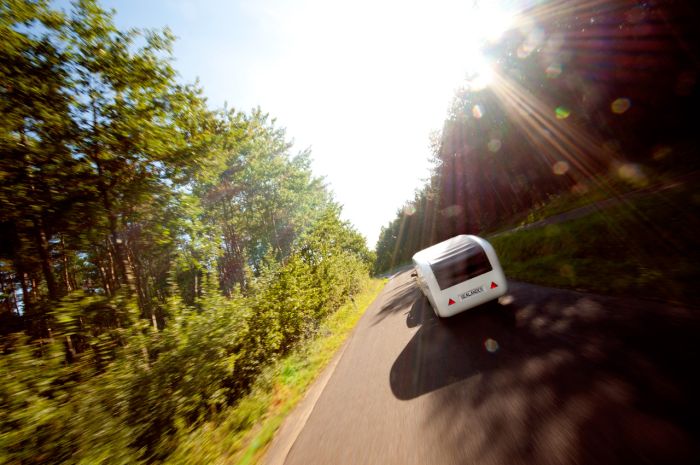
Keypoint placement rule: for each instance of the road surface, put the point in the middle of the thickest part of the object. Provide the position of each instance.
(553, 377)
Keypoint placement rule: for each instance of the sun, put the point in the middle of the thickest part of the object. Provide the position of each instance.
(482, 75)
(483, 23)
(453, 35)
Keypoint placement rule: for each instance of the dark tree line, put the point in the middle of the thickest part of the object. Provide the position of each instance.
(584, 95)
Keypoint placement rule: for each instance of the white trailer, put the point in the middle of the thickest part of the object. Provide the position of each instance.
(458, 274)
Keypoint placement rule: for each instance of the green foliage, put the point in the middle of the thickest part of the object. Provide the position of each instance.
(155, 385)
(414, 228)
(325, 268)
(156, 256)
(239, 433)
(627, 249)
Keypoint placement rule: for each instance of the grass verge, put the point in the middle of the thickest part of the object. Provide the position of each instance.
(597, 189)
(646, 247)
(242, 432)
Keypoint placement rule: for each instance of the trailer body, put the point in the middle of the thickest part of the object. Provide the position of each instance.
(458, 274)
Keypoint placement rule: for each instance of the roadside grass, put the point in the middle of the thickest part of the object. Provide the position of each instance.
(597, 189)
(242, 432)
(646, 247)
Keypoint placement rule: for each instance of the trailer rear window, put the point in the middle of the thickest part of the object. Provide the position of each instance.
(459, 264)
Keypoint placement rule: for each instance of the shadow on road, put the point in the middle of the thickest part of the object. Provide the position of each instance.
(450, 350)
(558, 377)
(399, 299)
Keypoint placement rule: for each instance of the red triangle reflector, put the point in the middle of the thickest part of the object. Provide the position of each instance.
(493, 285)
(451, 302)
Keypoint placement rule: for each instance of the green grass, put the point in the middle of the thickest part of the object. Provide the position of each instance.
(645, 247)
(242, 433)
(595, 190)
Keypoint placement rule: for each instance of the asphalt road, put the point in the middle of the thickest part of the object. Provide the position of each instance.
(553, 377)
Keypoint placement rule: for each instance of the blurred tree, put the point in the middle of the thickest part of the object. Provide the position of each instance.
(155, 255)
(35, 136)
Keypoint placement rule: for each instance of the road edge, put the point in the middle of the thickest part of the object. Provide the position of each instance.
(291, 427)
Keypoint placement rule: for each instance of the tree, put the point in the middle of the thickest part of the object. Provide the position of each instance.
(578, 93)
(261, 199)
(155, 254)
(35, 134)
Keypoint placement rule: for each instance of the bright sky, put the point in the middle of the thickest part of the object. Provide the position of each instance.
(361, 82)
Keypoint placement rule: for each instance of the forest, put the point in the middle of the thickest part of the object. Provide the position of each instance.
(585, 97)
(155, 254)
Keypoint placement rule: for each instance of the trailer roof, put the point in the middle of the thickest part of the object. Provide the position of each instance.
(455, 260)
(444, 249)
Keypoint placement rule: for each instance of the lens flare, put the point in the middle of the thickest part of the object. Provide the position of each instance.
(506, 299)
(525, 50)
(553, 71)
(632, 173)
(452, 211)
(560, 168)
(661, 152)
(620, 105)
(579, 189)
(491, 345)
(562, 112)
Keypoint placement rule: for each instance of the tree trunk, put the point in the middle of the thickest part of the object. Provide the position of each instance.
(26, 295)
(42, 245)
(12, 291)
(37, 231)
(106, 283)
(112, 271)
(141, 290)
(7, 290)
(67, 281)
(116, 241)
